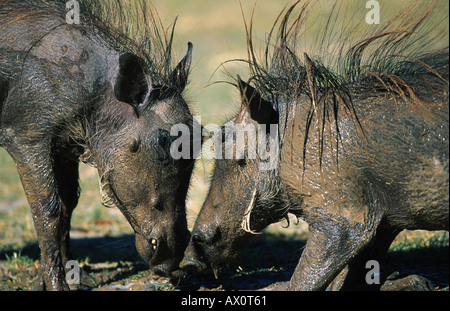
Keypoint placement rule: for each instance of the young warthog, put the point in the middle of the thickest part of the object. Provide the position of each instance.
(363, 143)
(85, 91)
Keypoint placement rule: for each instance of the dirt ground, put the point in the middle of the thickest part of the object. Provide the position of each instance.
(113, 264)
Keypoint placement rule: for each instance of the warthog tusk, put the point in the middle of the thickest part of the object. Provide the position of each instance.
(154, 242)
(245, 225)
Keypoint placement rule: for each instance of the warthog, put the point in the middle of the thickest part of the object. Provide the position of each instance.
(86, 91)
(363, 142)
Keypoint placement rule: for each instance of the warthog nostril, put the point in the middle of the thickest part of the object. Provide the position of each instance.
(206, 235)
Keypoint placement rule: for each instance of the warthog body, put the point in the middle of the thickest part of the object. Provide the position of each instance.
(363, 154)
(71, 91)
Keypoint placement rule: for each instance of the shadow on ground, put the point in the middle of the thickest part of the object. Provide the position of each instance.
(267, 264)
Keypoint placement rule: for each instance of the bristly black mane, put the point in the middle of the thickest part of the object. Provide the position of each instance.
(137, 27)
(340, 66)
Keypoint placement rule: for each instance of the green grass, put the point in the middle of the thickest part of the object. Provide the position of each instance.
(16, 261)
(419, 239)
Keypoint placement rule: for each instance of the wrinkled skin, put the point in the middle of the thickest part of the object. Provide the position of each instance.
(354, 208)
(66, 93)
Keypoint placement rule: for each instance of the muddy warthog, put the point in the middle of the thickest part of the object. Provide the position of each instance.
(86, 91)
(363, 149)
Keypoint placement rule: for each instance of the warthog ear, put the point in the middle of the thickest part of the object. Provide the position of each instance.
(258, 108)
(181, 72)
(132, 84)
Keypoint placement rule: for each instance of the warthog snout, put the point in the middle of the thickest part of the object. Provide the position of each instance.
(194, 257)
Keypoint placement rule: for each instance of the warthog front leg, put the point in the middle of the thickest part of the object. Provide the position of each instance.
(36, 170)
(330, 247)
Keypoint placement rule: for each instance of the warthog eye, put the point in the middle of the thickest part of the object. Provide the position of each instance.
(163, 141)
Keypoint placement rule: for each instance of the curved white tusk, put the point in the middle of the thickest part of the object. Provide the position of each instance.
(245, 225)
